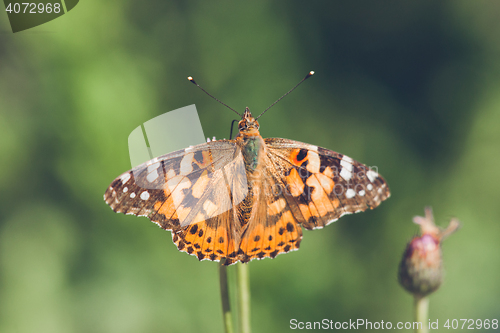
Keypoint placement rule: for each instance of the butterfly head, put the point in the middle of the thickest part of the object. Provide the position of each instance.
(248, 125)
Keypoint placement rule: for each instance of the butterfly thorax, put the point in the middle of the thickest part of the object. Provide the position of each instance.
(252, 148)
(251, 143)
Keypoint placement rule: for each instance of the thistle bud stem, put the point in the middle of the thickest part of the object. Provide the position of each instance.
(422, 314)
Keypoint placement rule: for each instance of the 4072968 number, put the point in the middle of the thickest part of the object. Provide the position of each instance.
(33, 8)
(471, 324)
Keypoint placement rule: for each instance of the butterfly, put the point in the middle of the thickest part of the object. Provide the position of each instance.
(246, 198)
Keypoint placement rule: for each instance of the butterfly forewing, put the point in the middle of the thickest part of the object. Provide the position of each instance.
(193, 181)
(323, 184)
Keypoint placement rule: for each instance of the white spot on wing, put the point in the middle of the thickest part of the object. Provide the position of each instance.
(125, 177)
(369, 187)
(125, 189)
(145, 195)
(346, 174)
(346, 164)
(154, 166)
(361, 193)
(372, 175)
(187, 164)
(152, 176)
(350, 193)
(132, 195)
(347, 159)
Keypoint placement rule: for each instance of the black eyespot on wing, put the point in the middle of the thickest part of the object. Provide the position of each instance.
(301, 155)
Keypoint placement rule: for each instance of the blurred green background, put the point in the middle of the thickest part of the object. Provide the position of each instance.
(412, 88)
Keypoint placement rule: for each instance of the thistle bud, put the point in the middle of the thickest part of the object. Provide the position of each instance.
(421, 268)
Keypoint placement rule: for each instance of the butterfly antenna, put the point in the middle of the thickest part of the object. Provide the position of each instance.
(311, 73)
(190, 78)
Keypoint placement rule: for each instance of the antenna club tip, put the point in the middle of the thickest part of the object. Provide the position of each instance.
(311, 73)
(190, 78)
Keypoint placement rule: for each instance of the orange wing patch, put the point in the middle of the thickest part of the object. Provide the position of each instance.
(251, 243)
(288, 234)
(200, 185)
(295, 185)
(319, 196)
(211, 243)
(166, 208)
(298, 156)
(206, 159)
(269, 241)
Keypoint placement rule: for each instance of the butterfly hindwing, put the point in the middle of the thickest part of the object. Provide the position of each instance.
(272, 227)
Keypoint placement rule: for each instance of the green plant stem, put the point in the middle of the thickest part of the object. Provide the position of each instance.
(224, 294)
(422, 313)
(244, 297)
